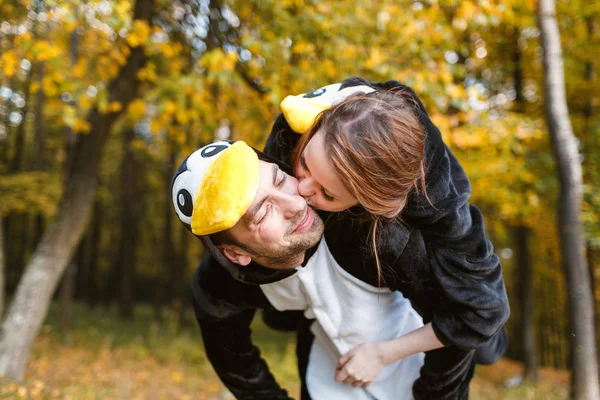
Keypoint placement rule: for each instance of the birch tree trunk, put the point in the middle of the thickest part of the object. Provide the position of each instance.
(32, 297)
(584, 378)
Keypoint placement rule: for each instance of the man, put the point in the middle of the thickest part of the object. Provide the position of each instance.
(267, 251)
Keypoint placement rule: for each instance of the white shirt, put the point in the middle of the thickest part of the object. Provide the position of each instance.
(348, 312)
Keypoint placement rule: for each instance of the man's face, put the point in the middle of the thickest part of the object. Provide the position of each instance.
(278, 227)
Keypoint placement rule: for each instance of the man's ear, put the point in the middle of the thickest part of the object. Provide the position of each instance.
(235, 255)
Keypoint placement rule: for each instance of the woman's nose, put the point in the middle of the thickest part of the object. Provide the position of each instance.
(307, 187)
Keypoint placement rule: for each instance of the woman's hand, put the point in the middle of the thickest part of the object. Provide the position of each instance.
(361, 365)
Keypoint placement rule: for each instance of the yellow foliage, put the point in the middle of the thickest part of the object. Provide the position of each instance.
(44, 50)
(467, 10)
(375, 58)
(156, 126)
(229, 61)
(148, 73)
(349, 51)
(115, 106)
(170, 49)
(35, 86)
(302, 46)
(49, 86)
(217, 60)
(85, 102)
(181, 116)
(81, 126)
(141, 31)
(79, 70)
(136, 109)
(116, 55)
(9, 63)
(170, 107)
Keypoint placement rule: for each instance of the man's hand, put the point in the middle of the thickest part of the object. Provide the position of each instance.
(361, 365)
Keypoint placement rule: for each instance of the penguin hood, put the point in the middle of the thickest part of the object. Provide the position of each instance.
(212, 189)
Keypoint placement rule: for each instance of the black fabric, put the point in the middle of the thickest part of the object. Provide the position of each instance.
(437, 255)
(224, 309)
(493, 350)
(304, 342)
(446, 375)
(286, 321)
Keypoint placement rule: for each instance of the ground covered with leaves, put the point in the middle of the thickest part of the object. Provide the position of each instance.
(106, 358)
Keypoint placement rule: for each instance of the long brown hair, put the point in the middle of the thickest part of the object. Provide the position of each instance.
(376, 145)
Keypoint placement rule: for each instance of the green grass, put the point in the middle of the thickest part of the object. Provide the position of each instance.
(107, 358)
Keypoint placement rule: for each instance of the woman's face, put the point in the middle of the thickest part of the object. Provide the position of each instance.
(318, 182)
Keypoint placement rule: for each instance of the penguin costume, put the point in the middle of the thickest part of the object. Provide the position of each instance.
(438, 256)
(211, 191)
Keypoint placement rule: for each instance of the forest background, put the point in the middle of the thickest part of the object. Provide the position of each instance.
(101, 100)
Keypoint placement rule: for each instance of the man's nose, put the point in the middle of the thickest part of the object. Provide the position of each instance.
(291, 204)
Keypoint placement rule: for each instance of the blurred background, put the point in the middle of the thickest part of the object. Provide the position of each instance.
(101, 100)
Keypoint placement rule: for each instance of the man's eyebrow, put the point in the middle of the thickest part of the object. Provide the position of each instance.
(275, 170)
(258, 205)
(255, 209)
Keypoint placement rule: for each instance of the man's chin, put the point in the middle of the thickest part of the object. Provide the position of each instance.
(293, 255)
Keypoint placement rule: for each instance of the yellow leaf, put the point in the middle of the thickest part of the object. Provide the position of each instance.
(136, 109)
(85, 102)
(115, 106)
(181, 117)
(9, 63)
(170, 107)
(81, 126)
(45, 51)
(141, 31)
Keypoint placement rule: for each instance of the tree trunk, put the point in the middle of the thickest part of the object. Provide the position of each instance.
(170, 262)
(17, 161)
(32, 297)
(130, 218)
(584, 363)
(2, 267)
(67, 289)
(183, 288)
(92, 283)
(39, 123)
(530, 356)
(21, 246)
(7, 140)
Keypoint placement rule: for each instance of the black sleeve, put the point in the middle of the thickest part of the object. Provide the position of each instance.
(281, 141)
(224, 310)
(461, 258)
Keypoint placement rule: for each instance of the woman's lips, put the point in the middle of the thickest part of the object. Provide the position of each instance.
(306, 222)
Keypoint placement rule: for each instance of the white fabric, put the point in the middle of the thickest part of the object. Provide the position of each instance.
(349, 312)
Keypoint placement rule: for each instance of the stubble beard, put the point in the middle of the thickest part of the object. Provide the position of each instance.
(293, 255)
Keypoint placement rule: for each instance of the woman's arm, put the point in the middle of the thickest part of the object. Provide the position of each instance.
(361, 365)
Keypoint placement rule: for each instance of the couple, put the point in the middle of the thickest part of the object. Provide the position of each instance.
(397, 281)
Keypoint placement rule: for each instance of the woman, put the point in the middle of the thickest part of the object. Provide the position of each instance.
(379, 163)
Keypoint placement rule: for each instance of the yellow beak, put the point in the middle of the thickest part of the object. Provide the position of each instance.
(301, 112)
(227, 189)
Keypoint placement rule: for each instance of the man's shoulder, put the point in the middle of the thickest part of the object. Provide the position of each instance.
(219, 295)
